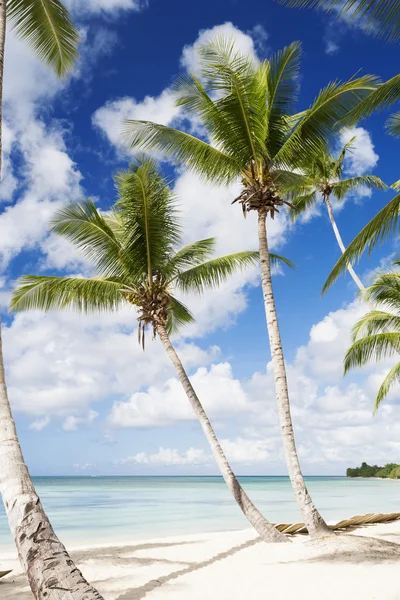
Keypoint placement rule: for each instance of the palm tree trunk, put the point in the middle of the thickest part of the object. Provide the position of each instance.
(52, 575)
(265, 529)
(339, 240)
(312, 519)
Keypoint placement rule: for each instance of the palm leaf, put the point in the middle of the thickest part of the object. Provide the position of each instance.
(190, 255)
(382, 97)
(178, 315)
(391, 378)
(343, 187)
(47, 27)
(338, 165)
(393, 125)
(210, 163)
(54, 293)
(376, 321)
(88, 230)
(212, 273)
(382, 226)
(317, 125)
(372, 347)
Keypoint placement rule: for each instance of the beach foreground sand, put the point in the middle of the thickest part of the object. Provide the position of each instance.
(231, 565)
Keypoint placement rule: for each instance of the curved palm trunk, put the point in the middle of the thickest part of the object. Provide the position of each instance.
(51, 573)
(265, 529)
(312, 519)
(342, 247)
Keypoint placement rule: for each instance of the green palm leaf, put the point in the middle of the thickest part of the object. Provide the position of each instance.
(382, 226)
(372, 347)
(376, 321)
(393, 125)
(391, 378)
(55, 293)
(343, 187)
(47, 27)
(181, 147)
(178, 316)
(88, 230)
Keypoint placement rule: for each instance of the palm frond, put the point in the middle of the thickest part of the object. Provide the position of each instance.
(178, 316)
(393, 125)
(382, 226)
(372, 347)
(386, 94)
(379, 17)
(343, 187)
(337, 168)
(190, 255)
(391, 378)
(277, 260)
(148, 211)
(282, 74)
(182, 148)
(376, 321)
(319, 122)
(212, 273)
(385, 290)
(302, 203)
(87, 229)
(47, 27)
(54, 293)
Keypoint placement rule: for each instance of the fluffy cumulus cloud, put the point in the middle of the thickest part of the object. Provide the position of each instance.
(362, 158)
(168, 457)
(111, 7)
(333, 417)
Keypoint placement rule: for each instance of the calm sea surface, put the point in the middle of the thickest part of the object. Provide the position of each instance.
(90, 510)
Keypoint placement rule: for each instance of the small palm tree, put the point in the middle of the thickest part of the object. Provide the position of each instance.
(377, 335)
(46, 26)
(246, 108)
(379, 17)
(324, 180)
(135, 251)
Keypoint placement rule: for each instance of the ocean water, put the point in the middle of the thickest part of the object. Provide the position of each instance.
(101, 510)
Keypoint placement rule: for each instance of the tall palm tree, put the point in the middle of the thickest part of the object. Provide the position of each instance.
(46, 26)
(135, 251)
(377, 335)
(246, 108)
(324, 180)
(379, 17)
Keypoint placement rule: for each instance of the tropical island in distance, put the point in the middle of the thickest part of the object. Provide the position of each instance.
(391, 471)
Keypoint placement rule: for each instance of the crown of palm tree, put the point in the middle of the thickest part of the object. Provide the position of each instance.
(136, 254)
(246, 108)
(379, 17)
(47, 27)
(377, 335)
(323, 177)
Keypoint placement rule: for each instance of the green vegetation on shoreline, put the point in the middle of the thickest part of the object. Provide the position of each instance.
(390, 471)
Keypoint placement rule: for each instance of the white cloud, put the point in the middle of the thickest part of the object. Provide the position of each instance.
(72, 423)
(111, 7)
(168, 457)
(84, 466)
(244, 43)
(221, 395)
(362, 158)
(40, 424)
(110, 117)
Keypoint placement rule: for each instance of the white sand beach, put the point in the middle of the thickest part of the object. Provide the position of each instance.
(232, 565)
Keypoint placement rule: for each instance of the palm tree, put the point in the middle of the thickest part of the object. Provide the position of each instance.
(377, 335)
(135, 251)
(323, 180)
(379, 17)
(46, 26)
(246, 108)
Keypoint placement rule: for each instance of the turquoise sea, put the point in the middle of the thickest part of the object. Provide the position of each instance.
(101, 510)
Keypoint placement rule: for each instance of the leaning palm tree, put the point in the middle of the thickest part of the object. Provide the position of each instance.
(135, 251)
(377, 335)
(46, 26)
(379, 17)
(324, 181)
(246, 108)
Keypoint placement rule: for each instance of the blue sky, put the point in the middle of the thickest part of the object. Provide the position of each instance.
(85, 397)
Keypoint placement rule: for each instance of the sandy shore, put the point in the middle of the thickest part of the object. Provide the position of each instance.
(231, 565)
